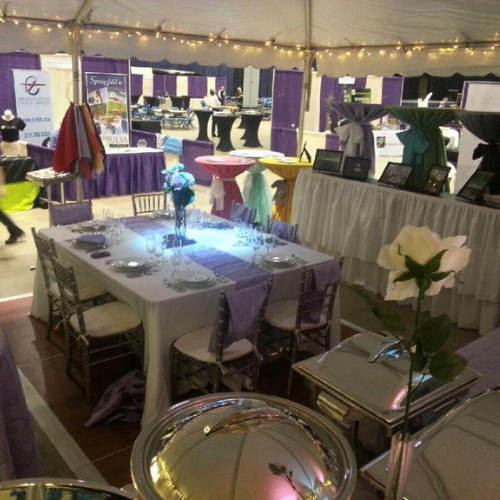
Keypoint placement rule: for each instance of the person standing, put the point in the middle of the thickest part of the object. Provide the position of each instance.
(15, 232)
(222, 95)
(212, 101)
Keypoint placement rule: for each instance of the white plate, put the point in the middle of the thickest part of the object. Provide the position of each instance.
(279, 260)
(287, 160)
(217, 159)
(163, 214)
(92, 225)
(196, 278)
(83, 244)
(211, 281)
(130, 264)
(215, 223)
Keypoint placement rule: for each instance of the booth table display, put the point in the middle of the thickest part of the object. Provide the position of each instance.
(166, 313)
(256, 190)
(224, 189)
(203, 116)
(288, 171)
(355, 219)
(224, 122)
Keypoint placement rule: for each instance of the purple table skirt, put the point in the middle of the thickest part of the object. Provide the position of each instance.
(19, 456)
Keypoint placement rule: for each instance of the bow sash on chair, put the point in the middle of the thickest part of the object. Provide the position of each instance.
(216, 193)
(281, 191)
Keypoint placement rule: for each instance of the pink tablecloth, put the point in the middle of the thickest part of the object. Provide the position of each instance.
(224, 188)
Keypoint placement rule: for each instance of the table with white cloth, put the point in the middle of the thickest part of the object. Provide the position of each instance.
(166, 313)
(387, 143)
(355, 219)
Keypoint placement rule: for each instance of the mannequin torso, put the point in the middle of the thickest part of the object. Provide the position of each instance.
(10, 126)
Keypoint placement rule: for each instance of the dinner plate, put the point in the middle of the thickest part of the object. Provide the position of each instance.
(287, 160)
(130, 264)
(279, 260)
(92, 225)
(85, 244)
(192, 278)
(217, 159)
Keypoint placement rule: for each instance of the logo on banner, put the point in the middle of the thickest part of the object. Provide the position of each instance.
(31, 85)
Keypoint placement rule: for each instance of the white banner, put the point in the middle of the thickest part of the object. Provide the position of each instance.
(33, 104)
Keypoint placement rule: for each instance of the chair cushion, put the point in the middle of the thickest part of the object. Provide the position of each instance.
(195, 345)
(282, 315)
(87, 289)
(108, 319)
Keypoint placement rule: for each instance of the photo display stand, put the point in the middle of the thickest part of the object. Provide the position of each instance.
(328, 162)
(395, 175)
(356, 168)
(436, 180)
(473, 190)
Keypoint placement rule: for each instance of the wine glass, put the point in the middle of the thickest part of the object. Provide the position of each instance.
(151, 247)
(238, 229)
(256, 243)
(269, 242)
(159, 250)
(188, 259)
(176, 256)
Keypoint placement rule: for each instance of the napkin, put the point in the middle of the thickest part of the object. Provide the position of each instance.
(93, 239)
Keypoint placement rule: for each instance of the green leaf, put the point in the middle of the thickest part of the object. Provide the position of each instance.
(439, 276)
(434, 333)
(420, 359)
(405, 277)
(413, 266)
(282, 470)
(446, 365)
(433, 264)
(274, 469)
(389, 318)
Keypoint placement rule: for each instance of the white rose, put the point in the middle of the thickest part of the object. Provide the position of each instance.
(421, 244)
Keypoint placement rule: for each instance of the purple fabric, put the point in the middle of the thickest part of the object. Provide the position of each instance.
(332, 142)
(70, 213)
(123, 174)
(244, 308)
(392, 90)
(323, 275)
(149, 137)
(197, 86)
(164, 82)
(136, 83)
(240, 211)
(123, 400)
(19, 456)
(330, 87)
(244, 273)
(100, 64)
(8, 62)
(94, 239)
(284, 140)
(191, 150)
(43, 157)
(283, 230)
(145, 226)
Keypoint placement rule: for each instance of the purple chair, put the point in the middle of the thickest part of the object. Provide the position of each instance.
(240, 211)
(282, 229)
(70, 213)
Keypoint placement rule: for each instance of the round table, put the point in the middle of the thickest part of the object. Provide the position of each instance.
(203, 116)
(251, 135)
(288, 169)
(256, 191)
(224, 188)
(224, 122)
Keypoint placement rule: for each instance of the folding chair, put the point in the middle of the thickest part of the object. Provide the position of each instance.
(149, 203)
(70, 213)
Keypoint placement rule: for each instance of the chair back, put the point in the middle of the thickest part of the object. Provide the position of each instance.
(282, 229)
(317, 292)
(68, 289)
(70, 213)
(240, 211)
(149, 203)
(240, 317)
(45, 249)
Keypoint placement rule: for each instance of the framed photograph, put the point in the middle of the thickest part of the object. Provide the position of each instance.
(436, 180)
(356, 168)
(395, 174)
(474, 188)
(328, 162)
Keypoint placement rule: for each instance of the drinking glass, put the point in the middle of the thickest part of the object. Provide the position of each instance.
(159, 250)
(269, 242)
(188, 259)
(151, 247)
(176, 256)
(246, 235)
(256, 243)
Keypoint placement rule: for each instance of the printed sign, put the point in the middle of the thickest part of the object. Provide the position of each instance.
(107, 96)
(33, 104)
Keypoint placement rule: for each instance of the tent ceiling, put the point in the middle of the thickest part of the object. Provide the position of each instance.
(337, 26)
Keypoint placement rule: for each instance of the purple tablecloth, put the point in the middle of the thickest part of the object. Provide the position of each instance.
(18, 450)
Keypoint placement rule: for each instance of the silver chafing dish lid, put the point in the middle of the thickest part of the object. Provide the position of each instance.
(380, 387)
(242, 447)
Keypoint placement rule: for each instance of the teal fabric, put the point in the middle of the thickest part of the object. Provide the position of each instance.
(259, 196)
(425, 123)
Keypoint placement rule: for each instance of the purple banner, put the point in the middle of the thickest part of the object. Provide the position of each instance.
(197, 86)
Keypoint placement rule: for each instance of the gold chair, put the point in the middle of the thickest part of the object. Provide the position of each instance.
(90, 291)
(292, 324)
(149, 203)
(102, 333)
(213, 354)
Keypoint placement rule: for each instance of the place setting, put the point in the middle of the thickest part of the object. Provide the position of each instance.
(133, 267)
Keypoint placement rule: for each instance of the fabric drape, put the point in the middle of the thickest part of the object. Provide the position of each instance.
(358, 134)
(257, 193)
(197, 86)
(136, 84)
(486, 127)
(423, 142)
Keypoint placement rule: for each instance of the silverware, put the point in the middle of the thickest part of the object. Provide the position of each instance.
(299, 259)
(174, 286)
(99, 247)
(144, 273)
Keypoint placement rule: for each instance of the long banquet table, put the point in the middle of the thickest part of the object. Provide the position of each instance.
(354, 219)
(166, 313)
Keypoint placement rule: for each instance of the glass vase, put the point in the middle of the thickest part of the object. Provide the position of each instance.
(399, 465)
(180, 222)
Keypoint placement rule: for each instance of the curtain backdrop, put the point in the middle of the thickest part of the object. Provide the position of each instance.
(99, 64)
(136, 84)
(8, 62)
(266, 82)
(329, 87)
(392, 90)
(197, 86)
